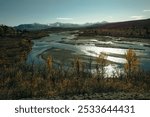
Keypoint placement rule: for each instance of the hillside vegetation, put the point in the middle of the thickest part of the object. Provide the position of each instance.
(138, 29)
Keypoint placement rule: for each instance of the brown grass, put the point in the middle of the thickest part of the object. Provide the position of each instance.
(17, 84)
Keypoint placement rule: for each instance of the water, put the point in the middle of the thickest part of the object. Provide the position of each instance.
(114, 47)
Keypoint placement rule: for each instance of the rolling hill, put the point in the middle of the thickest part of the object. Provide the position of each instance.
(137, 28)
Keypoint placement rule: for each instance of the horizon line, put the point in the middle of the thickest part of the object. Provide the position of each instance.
(75, 23)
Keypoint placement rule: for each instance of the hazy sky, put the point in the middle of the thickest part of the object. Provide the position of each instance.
(15, 12)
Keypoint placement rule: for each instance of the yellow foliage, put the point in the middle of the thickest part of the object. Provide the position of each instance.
(49, 62)
(132, 64)
(77, 62)
(101, 63)
(78, 65)
(132, 60)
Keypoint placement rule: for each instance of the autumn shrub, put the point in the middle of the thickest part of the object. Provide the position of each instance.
(78, 65)
(101, 63)
(132, 64)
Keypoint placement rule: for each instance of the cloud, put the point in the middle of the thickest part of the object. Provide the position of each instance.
(137, 17)
(147, 10)
(64, 18)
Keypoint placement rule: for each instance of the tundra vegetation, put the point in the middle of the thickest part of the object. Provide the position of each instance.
(19, 80)
(22, 81)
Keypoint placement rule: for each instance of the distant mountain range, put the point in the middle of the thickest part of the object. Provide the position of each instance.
(136, 29)
(37, 26)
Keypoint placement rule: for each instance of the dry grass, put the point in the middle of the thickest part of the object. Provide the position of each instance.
(18, 84)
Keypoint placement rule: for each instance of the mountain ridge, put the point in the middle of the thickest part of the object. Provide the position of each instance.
(38, 26)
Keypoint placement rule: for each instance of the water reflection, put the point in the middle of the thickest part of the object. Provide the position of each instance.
(90, 46)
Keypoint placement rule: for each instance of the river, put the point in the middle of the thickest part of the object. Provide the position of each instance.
(69, 44)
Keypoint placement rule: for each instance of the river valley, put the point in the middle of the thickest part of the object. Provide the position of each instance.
(65, 46)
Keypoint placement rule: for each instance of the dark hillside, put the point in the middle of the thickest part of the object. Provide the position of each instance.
(6, 31)
(13, 47)
(137, 28)
(127, 24)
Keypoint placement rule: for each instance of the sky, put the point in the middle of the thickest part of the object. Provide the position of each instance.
(15, 12)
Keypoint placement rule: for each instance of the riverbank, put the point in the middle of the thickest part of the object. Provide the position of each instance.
(59, 55)
(14, 50)
(44, 82)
